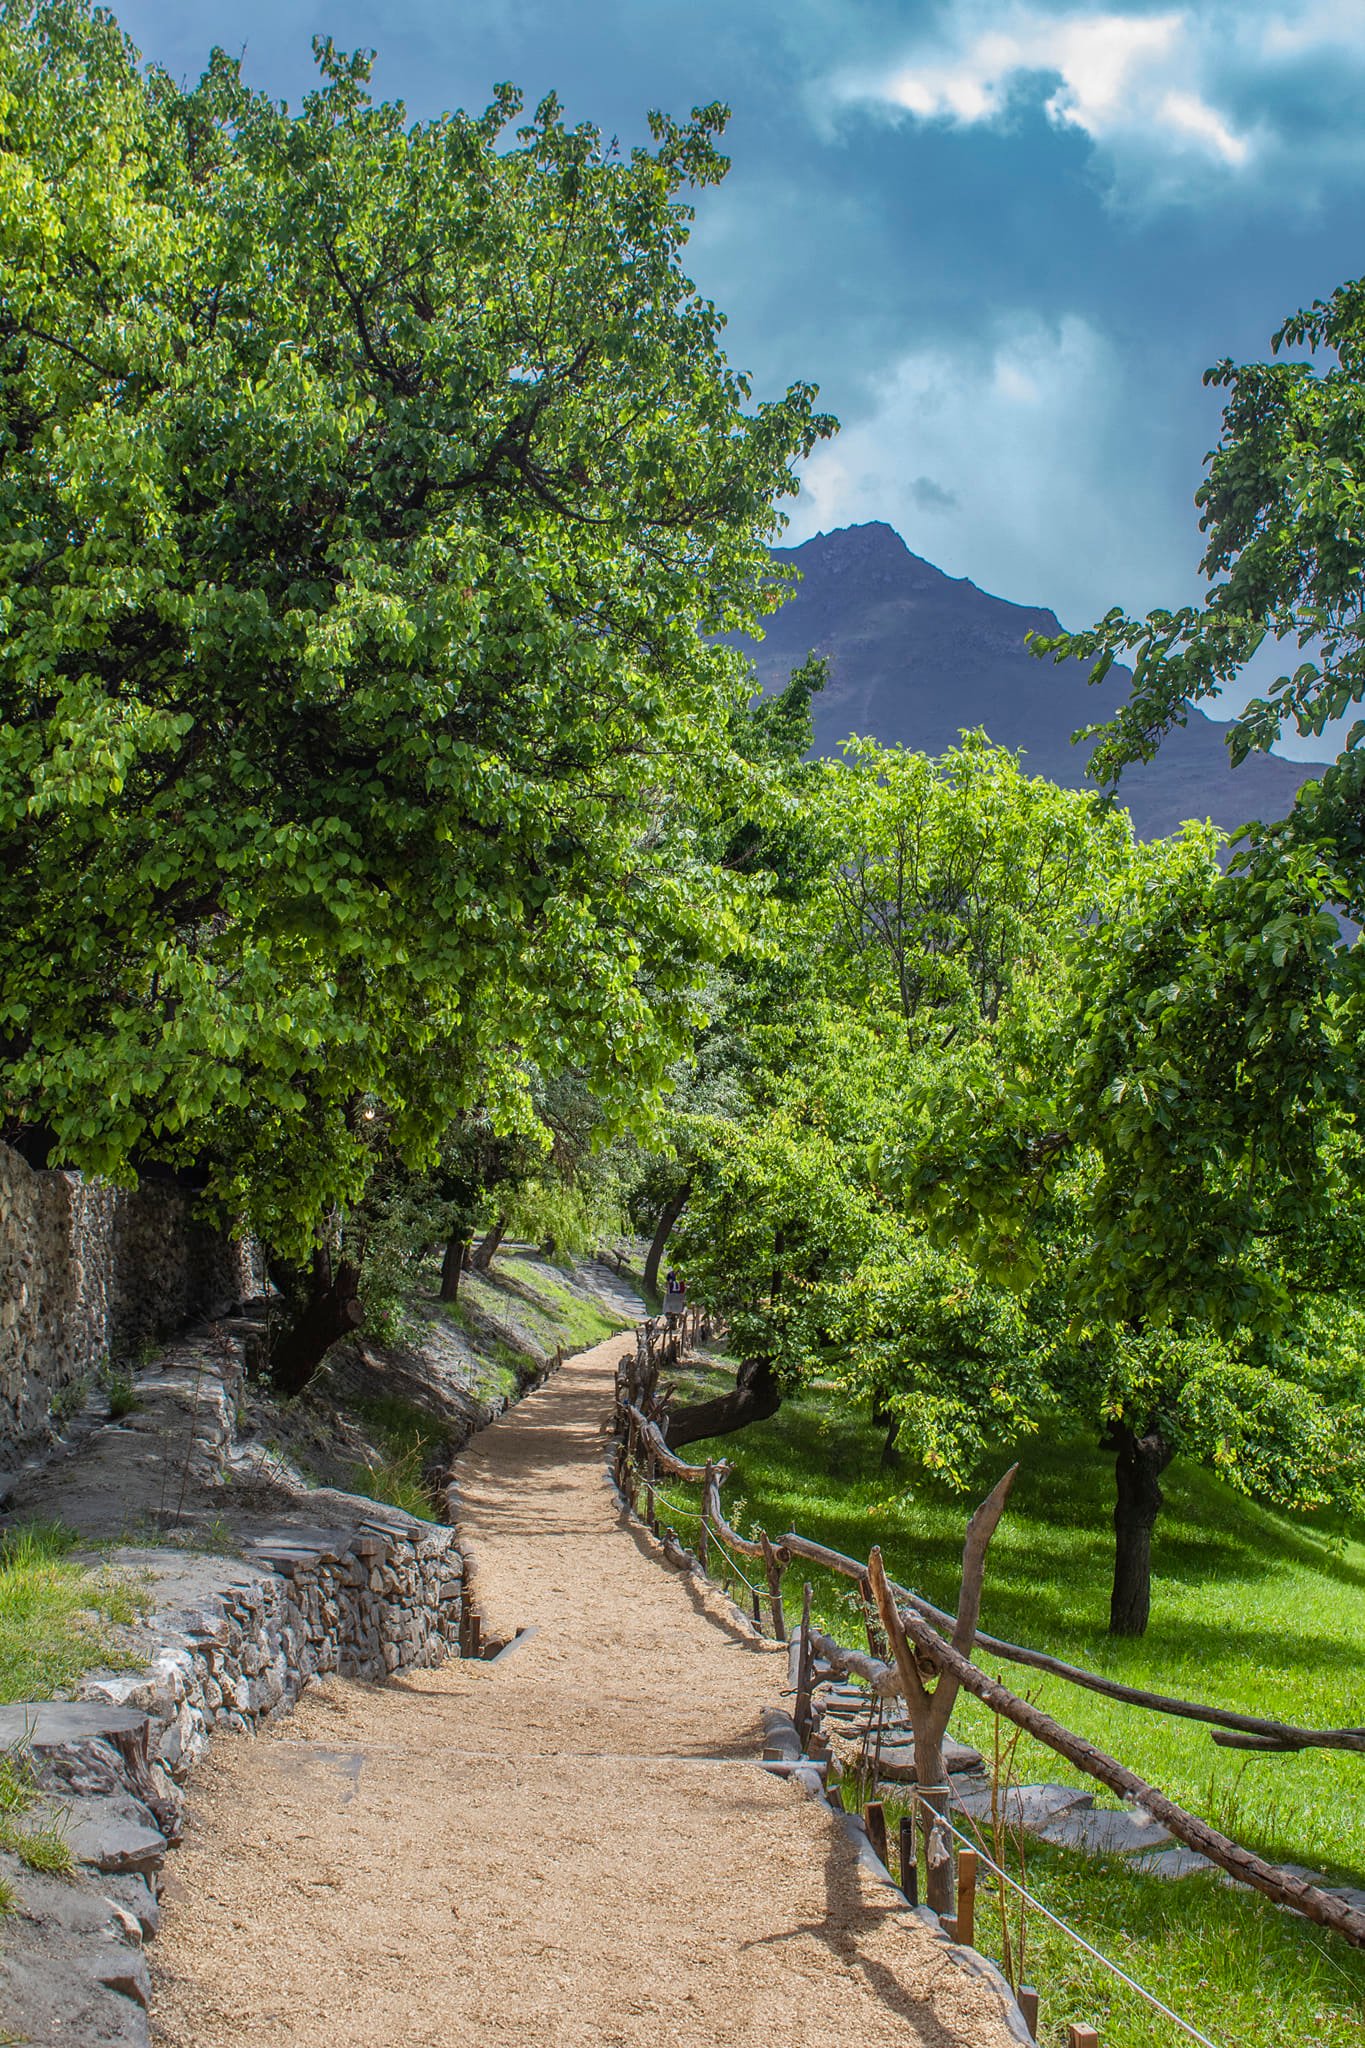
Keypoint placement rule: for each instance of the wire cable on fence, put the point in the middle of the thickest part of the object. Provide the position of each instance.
(691, 1515)
(1186, 2026)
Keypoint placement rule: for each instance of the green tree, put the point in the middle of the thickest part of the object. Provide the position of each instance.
(370, 497)
(945, 897)
(1162, 1157)
(1221, 1068)
(1284, 510)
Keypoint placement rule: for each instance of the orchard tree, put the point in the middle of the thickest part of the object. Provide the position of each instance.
(1238, 1146)
(769, 835)
(1163, 1157)
(371, 497)
(947, 891)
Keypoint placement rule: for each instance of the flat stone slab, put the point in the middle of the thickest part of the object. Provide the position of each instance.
(113, 1835)
(1176, 1862)
(1102, 1831)
(61, 1724)
(1027, 1807)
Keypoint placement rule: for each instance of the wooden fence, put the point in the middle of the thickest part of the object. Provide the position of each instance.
(930, 1651)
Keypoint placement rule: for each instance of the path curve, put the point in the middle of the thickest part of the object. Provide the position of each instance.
(569, 1846)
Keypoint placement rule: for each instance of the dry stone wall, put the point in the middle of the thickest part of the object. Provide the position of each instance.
(89, 1273)
(237, 1640)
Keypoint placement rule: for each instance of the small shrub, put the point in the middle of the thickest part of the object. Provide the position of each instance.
(70, 1399)
(119, 1391)
(396, 1477)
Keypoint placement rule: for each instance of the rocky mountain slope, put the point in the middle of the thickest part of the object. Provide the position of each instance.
(915, 656)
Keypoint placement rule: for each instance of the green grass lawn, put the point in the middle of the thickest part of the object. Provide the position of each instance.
(1250, 1610)
(55, 1615)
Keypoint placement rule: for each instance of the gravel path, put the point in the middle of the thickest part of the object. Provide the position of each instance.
(569, 1846)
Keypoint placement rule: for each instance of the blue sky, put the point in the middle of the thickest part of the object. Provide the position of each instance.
(1005, 237)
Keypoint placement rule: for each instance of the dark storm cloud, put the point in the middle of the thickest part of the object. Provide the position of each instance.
(1005, 238)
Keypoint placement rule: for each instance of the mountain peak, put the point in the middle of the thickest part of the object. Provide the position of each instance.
(916, 656)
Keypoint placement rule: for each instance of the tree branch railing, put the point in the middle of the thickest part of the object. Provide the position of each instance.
(1252, 1732)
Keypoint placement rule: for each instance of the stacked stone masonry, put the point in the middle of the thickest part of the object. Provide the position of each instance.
(363, 1602)
(90, 1274)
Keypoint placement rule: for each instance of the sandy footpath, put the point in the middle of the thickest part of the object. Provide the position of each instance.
(568, 1846)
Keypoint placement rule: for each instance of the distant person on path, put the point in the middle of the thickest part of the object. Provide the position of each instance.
(675, 1297)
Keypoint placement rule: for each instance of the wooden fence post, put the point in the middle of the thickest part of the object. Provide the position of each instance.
(966, 1897)
(703, 1546)
(801, 1715)
(1082, 2037)
(938, 1857)
(909, 1859)
(772, 1566)
(874, 1820)
(1028, 2006)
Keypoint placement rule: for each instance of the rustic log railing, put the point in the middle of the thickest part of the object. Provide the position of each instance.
(928, 1669)
(1254, 1732)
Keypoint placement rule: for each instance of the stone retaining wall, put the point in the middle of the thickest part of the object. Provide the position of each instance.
(90, 1273)
(363, 1602)
(237, 1642)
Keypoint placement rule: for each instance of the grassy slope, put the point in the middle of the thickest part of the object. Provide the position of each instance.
(1250, 1610)
(517, 1297)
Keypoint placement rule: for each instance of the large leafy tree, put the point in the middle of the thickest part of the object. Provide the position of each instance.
(1161, 1160)
(371, 496)
(1219, 1069)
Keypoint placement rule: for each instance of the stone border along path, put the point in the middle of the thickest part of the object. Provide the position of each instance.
(569, 1845)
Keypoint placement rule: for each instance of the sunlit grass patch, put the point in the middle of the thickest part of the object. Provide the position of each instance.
(1247, 1974)
(42, 1847)
(410, 1442)
(55, 1614)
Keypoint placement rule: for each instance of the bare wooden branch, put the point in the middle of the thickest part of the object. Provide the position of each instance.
(917, 1695)
(1282, 1734)
(668, 1461)
(1280, 1885)
(731, 1536)
(882, 1678)
(980, 1530)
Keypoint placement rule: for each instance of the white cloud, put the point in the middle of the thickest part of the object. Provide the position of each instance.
(1167, 99)
(1040, 494)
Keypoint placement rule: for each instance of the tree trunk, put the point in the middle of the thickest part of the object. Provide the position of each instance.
(672, 1210)
(481, 1258)
(756, 1397)
(1139, 1462)
(885, 1418)
(452, 1265)
(328, 1310)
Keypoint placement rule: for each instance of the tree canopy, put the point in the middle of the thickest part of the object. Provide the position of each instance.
(370, 497)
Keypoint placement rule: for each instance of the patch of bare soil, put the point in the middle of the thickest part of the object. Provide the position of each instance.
(570, 1845)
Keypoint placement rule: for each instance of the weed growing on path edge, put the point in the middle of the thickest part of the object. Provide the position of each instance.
(116, 1383)
(56, 1614)
(44, 1848)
